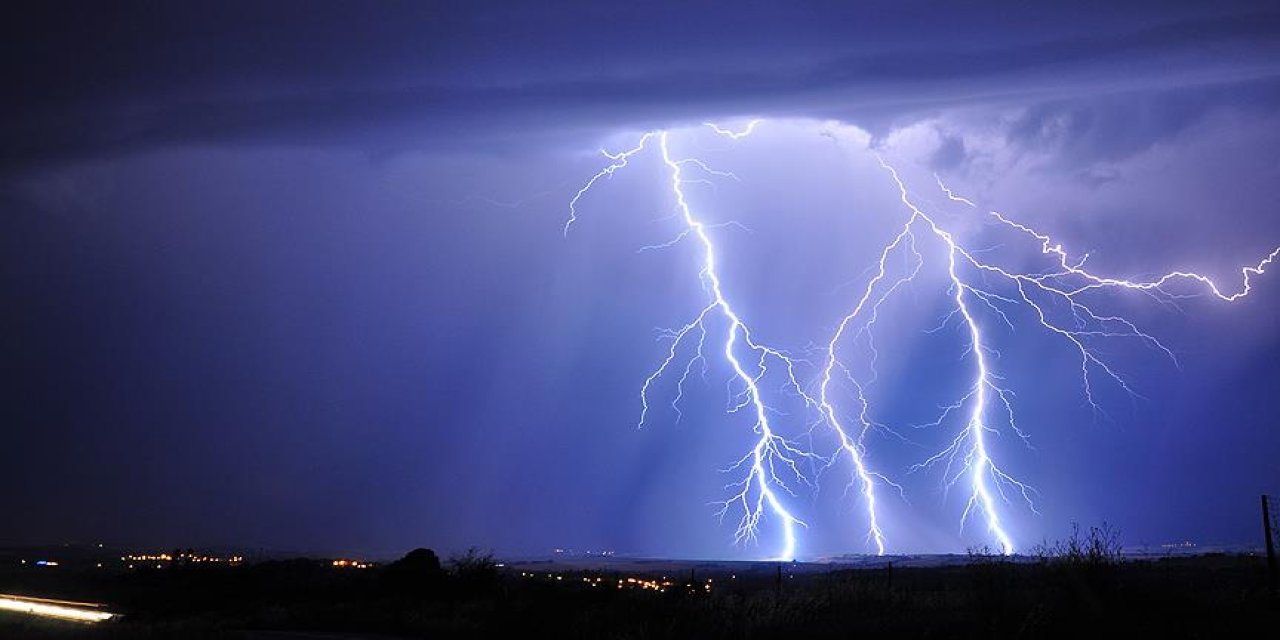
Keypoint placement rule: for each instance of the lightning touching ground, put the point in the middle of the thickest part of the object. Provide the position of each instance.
(1063, 300)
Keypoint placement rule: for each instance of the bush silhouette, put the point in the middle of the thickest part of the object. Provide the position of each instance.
(474, 570)
(1100, 547)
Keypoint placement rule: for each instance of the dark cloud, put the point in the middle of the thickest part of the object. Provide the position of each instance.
(950, 153)
(100, 80)
(1115, 126)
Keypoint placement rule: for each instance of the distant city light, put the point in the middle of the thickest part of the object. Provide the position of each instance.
(352, 564)
(644, 584)
(181, 557)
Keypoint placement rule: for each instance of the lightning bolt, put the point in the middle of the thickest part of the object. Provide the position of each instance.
(970, 445)
(620, 160)
(978, 291)
(772, 457)
(969, 456)
(731, 134)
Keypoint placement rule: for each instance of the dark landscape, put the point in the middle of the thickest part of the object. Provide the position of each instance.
(1078, 587)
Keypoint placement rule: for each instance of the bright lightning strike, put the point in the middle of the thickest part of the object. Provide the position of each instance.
(756, 494)
(985, 409)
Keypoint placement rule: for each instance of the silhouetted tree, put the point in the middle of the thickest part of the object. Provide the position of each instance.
(418, 571)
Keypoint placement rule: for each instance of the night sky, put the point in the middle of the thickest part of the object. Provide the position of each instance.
(293, 275)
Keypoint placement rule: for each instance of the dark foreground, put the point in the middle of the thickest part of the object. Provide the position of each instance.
(987, 597)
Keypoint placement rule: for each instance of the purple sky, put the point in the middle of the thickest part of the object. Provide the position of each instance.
(294, 275)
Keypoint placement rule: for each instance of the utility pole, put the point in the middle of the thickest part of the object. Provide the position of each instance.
(1271, 546)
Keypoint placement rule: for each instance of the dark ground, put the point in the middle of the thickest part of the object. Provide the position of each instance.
(1208, 596)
